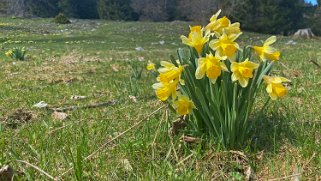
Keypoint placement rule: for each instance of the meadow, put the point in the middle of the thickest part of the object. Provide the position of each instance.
(119, 130)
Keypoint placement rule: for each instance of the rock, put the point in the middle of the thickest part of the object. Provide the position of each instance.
(304, 33)
(139, 49)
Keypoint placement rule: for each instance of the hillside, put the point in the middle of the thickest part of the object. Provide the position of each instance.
(102, 60)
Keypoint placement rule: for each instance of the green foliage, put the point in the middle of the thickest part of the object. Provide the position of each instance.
(115, 10)
(17, 53)
(61, 19)
(313, 19)
(270, 16)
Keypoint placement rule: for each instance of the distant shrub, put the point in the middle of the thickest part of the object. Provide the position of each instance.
(17, 53)
(61, 19)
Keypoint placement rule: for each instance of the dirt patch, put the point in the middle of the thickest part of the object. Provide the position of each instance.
(18, 117)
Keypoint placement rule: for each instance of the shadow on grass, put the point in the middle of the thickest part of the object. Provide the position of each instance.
(272, 129)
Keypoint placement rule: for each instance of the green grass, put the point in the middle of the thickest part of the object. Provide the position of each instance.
(95, 59)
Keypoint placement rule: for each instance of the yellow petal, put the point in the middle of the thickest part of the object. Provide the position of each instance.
(200, 71)
(243, 82)
(285, 79)
(213, 81)
(269, 88)
(185, 40)
(234, 77)
(273, 96)
(270, 40)
(214, 17)
(223, 66)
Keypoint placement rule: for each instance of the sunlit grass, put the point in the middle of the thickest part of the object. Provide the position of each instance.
(96, 63)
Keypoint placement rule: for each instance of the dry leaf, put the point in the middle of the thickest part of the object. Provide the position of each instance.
(59, 115)
(189, 139)
(41, 104)
(177, 125)
(75, 97)
(133, 98)
(249, 173)
(115, 67)
(127, 166)
(141, 59)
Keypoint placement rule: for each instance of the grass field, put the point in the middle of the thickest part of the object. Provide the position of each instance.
(97, 59)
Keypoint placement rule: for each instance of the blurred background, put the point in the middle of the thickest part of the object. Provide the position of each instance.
(263, 16)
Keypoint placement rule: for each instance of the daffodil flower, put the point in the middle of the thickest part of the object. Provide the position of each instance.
(266, 52)
(212, 66)
(243, 71)
(165, 90)
(218, 26)
(150, 66)
(233, 29)
(195, 38)
(225, 45)
(169, 72)
(275, 87)
(9, 53)
(183, 105)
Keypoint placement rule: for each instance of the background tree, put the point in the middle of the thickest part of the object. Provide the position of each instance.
(87, 9)
(197, 10)
(68, 7)
(43, 8)
(270, 16)
(151, 10)
(17, 8)
(115, 10)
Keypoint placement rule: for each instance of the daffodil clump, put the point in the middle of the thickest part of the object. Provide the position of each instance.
(16, 53)
(214, 83)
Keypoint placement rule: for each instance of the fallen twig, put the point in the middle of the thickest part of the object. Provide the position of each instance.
(37, 168)
(116, 137)
(186, 158)
(71, 108)
(285, 177)
(315, 63)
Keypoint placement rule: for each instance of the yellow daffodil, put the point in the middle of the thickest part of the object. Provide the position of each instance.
(183, 105)
(169, 72)
(275, 87)
(212, 66)
(165, 90)
(243, 71)
(195, 38)
(9, 53)
(266, 52)
(233, 29)
(218, 26)
(150, 66)
(225, 45)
